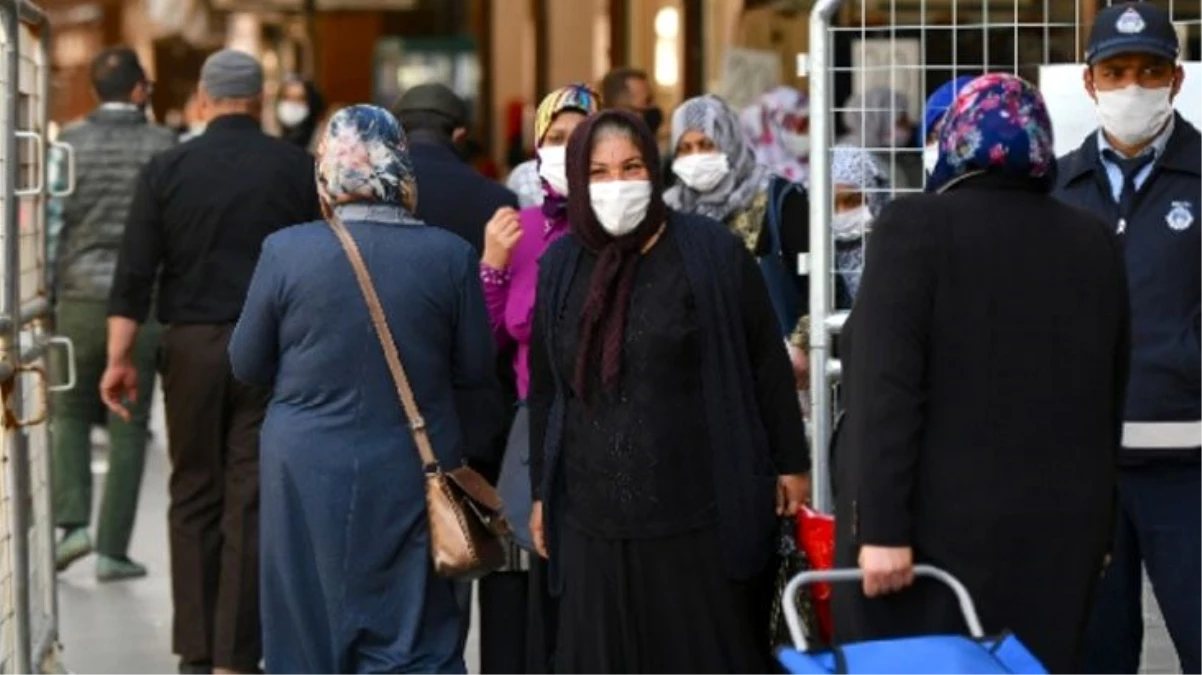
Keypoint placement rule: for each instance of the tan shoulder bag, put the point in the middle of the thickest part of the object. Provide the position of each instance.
(467, 527)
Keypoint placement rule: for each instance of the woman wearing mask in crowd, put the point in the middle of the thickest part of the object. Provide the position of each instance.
(984, 375)
(718, 177)
(514, 242)
(879, 121)
(299, 111)
(936, 108)
(861, 192)
(778, 127)
(347, 584)
(659, 459)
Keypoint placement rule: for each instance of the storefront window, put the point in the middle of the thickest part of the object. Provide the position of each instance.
(667, 47)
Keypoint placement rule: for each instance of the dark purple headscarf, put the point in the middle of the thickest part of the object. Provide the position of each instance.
(603, 322)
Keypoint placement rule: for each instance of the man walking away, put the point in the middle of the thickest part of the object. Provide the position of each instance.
(1142, 172)
(200, 215)
(453, 194)
(111, 147)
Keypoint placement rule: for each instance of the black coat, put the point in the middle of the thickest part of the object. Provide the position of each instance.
(450, 193)
(454, 196)
(986, 366)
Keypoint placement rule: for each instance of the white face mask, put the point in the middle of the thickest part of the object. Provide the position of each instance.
(853, 224)
(291, 113)
(552, 167)
(620, 205)
(702, 172)
(797, 145)
(1134, 114)
(930, 157)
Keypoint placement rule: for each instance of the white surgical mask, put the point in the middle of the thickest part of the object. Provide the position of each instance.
(702, 172)
(620, 205)
(853, 224)
(797, 145)
(291, 113)
(1134, 114)
(552, 167)
(930, 157)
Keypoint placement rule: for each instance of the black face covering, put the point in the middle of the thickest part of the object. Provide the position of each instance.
(654, 117)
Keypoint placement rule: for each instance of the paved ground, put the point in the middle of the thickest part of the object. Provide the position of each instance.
(126, 627)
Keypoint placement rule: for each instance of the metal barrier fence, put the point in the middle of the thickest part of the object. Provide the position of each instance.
(28, 605)
(911, 47)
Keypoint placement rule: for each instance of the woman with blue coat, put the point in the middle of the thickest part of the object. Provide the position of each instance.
(347, 584)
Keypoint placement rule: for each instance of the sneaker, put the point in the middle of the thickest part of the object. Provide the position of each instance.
(110, 568)
(74, 545)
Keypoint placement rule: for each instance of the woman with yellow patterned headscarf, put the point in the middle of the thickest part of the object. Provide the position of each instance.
(513, 243)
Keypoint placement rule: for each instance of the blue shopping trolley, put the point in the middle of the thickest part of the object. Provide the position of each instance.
(933, 654)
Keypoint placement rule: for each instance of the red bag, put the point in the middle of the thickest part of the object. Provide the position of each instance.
(816, 535)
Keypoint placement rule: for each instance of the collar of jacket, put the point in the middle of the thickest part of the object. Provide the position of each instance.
(234, 122)
(118, 115)
(1183, 153)
(433, 142)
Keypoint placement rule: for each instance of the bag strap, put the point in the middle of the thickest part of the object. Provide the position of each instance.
(417, 425)
(778, 191)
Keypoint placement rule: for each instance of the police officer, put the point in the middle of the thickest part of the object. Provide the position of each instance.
(1142, 171)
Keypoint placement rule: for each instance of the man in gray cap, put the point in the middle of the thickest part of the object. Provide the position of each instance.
(1142, 173)
(199, 217)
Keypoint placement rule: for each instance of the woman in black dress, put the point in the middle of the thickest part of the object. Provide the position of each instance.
(985, 367)
(665, 431)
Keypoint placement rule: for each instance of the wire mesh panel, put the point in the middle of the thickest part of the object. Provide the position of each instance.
(28, 621)
(872, 66)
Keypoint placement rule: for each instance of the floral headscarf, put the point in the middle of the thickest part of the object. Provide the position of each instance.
(364, 157)
(579, 98)
(998, 124)
(871, 119)
(858, 167)
(768, 122)
(747, 178)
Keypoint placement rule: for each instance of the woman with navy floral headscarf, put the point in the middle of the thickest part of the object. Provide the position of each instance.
(346, 581)
(984, 367)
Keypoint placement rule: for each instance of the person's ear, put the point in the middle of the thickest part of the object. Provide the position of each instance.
(1090, 88)
(1178, 80)
(459, 135)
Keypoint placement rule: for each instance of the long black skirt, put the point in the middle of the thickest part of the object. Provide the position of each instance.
(660, 605)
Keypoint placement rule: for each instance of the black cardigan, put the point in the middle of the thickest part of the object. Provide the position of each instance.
(737, 376)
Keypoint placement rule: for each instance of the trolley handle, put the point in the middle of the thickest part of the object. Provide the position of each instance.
(793, 617)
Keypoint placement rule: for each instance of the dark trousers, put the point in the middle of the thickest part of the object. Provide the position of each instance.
(213, 428)
(74, 413)
(517, 621)
(1159, 525)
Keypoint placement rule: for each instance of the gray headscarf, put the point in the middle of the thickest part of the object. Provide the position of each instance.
(714, 117)
(871, 118)
(858, 167)
(855, 166)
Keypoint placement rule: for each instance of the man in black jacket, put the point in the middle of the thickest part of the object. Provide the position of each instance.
(199, 217)
(111, 146)
(1142, 173)
(451, 194)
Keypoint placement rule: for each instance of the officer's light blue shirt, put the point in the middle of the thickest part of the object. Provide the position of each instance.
(1115, 174)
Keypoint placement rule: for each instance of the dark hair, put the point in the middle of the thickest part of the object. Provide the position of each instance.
(613, 85)
(427, 120)
(115, 73)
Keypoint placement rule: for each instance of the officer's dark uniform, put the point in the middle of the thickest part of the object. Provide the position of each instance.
(1160, 479)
